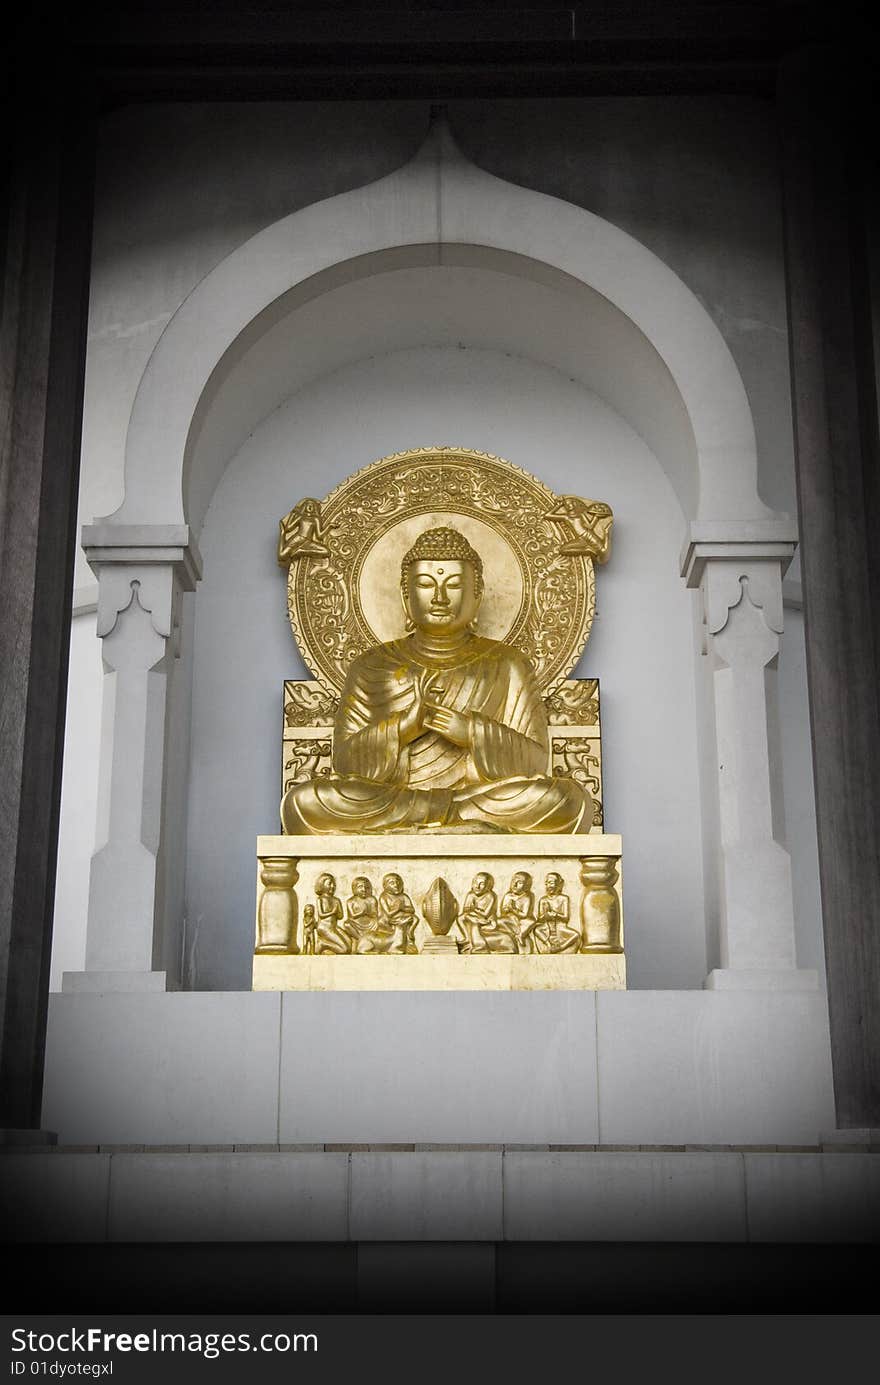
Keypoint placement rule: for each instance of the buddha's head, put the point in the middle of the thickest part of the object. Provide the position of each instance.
(441, 583)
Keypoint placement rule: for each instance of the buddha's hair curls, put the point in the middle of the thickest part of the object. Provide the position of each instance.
(437, 544)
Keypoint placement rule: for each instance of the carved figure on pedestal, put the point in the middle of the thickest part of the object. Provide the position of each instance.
(396, 911)
(362, 922)
(328, 937)
(518, 908)
(309, 926)
(484, 931)
(442, 729)
(553, 931)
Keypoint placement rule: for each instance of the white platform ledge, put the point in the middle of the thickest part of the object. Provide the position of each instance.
(782, 979)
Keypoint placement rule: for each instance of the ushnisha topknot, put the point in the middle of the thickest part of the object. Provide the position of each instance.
(437, 544)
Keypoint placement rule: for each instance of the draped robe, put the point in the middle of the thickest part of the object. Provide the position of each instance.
(499, 781)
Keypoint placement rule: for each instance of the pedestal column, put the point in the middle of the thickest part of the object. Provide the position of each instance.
(141, 575)
(741, 584)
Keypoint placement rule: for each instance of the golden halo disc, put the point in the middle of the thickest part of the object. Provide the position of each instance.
(535, 597)
(379, 592)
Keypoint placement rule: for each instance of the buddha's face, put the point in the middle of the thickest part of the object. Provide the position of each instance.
(441, 595)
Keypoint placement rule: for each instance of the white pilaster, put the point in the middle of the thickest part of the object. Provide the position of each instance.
(739, 571)
(142, 571)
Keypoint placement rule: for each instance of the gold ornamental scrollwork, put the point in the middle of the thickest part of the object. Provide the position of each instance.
(540, 546)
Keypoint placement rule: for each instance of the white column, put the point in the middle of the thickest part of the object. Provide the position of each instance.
(142, 571)
(739, 570)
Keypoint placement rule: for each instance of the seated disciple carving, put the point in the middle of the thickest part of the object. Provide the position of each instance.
(442, 729)
(518, 907)
(327, 934)
(484, 930)
(552, 931)
(397, 914)
(368, 930)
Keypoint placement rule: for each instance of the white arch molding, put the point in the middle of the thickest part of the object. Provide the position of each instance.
(236, 348)
(662, 354)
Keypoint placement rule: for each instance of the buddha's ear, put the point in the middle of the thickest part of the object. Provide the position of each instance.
(409, 623)
(478, 597)
(478, 587)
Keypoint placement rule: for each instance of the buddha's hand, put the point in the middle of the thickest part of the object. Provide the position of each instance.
(412, 722)
(454, 726)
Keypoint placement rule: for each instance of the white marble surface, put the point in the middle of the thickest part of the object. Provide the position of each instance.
(172, 1068)
(437, 1067)
(713, 1067)
(671, 1067)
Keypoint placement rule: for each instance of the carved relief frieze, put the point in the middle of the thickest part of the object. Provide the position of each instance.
(480, 905)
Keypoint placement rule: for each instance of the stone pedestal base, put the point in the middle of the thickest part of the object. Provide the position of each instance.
(439, 911)
(443, 972)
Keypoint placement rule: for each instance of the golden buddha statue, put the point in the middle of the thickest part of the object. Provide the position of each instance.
(442, 730)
